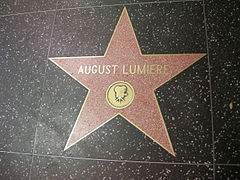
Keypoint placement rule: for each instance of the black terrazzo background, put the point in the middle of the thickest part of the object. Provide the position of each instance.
(169, 28)
(224, 43)
(14, 166)
(23, 48)
(227, 172)
(83, 32)
(23, 6)
(39, 103)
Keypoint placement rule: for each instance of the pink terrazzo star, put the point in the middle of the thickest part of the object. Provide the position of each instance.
(144, 112)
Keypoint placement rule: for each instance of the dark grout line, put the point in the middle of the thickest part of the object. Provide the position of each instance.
(18, 153)
(106, 160)
(210, 89)
(112, 5)
(34, 144)
(98, 6)
(114, 160)
(29, 12)
(174, 1)
(123, 161)
(81, 7)
(219, 164)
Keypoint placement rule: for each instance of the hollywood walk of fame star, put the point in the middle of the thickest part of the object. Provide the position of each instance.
(147, 73)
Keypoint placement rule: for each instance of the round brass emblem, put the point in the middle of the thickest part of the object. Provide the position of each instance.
(120, 95)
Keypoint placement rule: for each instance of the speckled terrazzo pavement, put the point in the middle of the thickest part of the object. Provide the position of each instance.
(39, 103)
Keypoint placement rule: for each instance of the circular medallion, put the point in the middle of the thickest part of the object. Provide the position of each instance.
(120, 95)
